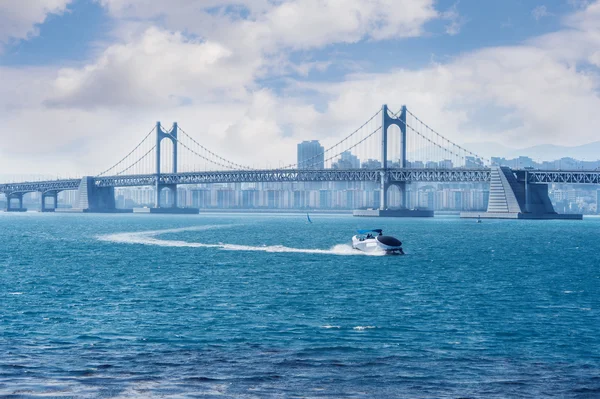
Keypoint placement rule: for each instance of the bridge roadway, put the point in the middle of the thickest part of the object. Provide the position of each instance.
(456, 175)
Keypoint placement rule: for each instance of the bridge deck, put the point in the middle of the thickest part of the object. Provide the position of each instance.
(458, 175)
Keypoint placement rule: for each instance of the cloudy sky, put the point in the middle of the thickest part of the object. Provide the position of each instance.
(82, 81)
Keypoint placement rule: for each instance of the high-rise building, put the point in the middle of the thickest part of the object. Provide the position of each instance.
(311, 155)
(446, 164)
(347, 161)
(415, 164)
(472, 162)
(371, 164)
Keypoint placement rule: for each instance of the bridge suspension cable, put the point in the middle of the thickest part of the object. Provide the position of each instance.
(224, 162)
(354, 145)
(443, 138)
(312, 159)
(122, 160)
(426, 144)
(428, 156)
(212, 161)
(151, 150)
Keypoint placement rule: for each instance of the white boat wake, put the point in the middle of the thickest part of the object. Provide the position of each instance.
(152, 238)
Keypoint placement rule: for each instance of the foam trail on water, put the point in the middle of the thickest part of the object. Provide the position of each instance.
(151, 238)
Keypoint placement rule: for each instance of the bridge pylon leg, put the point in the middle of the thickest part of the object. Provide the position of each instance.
(157, 190)
(383, 193)
(403, 194)
(172, 188)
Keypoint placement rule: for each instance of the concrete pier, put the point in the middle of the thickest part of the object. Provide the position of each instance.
(94, 199)
(393, 213)
(170, 211)
(519, 215)
(87, 210)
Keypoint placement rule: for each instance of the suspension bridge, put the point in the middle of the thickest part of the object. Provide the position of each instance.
(394, 148)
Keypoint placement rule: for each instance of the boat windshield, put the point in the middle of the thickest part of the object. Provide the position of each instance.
(376, 231)
(366, 234)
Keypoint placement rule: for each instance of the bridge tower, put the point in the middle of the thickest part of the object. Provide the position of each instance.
(160, 136)
(386, 122)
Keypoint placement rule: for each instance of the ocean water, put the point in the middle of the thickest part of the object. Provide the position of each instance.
(269, 306)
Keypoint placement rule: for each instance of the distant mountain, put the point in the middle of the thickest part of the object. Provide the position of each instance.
(539, 153)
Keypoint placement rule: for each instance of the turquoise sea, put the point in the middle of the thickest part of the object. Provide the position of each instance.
(270, 306)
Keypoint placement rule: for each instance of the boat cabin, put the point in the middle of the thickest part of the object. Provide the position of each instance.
(368, 234)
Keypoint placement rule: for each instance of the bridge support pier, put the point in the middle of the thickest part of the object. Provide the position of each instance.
(17, 196)
(46, 195)
(513, 197)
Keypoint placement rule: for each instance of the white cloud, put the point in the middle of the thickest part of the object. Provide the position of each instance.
(296, 24)
(526, 94)
(209, 84)
(540, 12)
(157, 68)
(18, 19)
(89, 116)
(456, 21)
(579, 3)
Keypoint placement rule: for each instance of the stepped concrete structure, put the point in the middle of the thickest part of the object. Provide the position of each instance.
(92, 198)
(512, 196)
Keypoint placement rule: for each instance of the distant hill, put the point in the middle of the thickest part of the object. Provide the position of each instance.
(542, 152)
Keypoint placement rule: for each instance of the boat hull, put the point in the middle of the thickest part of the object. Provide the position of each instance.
(378, 244)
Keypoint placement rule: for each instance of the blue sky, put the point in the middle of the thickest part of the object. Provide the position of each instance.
(73, 36)
(69, 37)
(266, 74)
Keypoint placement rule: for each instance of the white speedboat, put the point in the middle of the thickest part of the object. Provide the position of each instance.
(375, 241)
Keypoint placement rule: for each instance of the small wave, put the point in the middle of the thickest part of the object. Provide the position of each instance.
(15, 293)
(328, 326)
(362, 328)
(151, 238)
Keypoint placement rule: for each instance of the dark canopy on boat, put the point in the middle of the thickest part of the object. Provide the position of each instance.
(378, 231)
